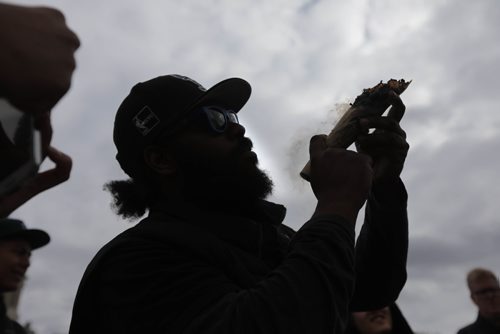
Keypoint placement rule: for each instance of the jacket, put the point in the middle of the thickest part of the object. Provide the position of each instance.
(7, 325)
(480, 326)
(185, 271)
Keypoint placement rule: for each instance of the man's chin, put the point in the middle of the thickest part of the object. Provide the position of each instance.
(243, 184)
(264, 186)
(248, 161)
(251, 184)
(250, 155)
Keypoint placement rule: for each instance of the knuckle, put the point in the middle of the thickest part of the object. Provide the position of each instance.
(316, 139)
(56, 13)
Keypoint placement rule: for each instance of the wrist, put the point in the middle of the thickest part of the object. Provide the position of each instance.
(345, 210)
(386, 181)
(389, 198)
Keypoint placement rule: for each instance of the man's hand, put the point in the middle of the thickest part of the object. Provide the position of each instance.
(37, 58)
(340, 179)
(387, 146)
(42, 181)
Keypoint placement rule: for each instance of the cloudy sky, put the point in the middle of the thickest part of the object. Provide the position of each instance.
(303, 59)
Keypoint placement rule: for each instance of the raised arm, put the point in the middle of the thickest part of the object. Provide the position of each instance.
(382, 246)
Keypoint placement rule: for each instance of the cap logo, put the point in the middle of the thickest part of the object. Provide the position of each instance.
(182, 77)
(145, 120)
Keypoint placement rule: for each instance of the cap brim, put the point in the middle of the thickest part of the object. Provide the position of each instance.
(36, 238)
(231, 93)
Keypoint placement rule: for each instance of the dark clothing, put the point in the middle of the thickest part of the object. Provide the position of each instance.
(185, 271)
(399, 323)
(7, 325)
(480, 326)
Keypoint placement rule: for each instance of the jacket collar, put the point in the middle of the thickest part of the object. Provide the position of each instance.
(251, 231)
(486, 324)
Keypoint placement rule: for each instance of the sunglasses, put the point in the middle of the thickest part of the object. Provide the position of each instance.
(217, 118)
(214, 117)
(488, 293)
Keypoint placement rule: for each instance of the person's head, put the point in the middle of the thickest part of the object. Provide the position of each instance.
(485, 292)
(177, 140)
(373, 322)
(16, 244)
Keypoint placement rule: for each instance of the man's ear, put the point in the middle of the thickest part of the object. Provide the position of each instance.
(160, 160)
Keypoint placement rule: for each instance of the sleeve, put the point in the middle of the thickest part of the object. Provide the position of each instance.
(156, 289)
(382, 249)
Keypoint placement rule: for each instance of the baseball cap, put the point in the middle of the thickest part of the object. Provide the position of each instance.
(153, 107)
(15, 229)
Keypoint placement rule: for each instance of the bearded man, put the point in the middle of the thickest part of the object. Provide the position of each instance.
(213, 256)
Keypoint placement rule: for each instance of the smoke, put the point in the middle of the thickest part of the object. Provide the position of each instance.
(298, 152)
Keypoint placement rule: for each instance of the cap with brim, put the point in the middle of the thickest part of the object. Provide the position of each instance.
(11, 229)
(155, 106)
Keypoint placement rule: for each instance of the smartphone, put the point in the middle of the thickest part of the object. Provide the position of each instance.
(20, 147)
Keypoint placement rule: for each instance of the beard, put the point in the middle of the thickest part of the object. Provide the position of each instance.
(232, 182)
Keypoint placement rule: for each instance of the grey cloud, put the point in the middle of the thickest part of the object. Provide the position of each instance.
(301, 63)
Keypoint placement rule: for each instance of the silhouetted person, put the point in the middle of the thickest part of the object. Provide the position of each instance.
(213, 255)
(16, 244)
(485, 294)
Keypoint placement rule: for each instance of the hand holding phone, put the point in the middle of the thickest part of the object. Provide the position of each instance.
(21, 154)
(38, 183)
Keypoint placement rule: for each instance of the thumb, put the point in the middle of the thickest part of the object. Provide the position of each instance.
(317, 145)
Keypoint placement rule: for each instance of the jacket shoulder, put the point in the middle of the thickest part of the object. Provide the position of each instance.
(469, 329)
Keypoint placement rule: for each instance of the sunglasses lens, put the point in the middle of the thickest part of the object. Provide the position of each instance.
(232, 117)
(216, 119)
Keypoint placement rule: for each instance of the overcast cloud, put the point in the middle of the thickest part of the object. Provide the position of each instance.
(303, 58)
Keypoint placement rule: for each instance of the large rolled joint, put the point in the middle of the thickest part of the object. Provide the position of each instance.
(372, 102)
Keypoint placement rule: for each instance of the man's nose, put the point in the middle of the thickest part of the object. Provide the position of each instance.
(25, 261)
(235, 130)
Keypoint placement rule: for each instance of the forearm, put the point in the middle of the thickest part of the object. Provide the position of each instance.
(381, 249)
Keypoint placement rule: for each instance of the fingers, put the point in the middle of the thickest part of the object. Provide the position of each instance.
(380, 123)
(388, 137)
(380, 143)
(63, 163)
(61, 159)
(382, 140)
(397, 109)
(38, 61)
(340, 179)
(388, 98)
(316, 146)
(39, 183)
